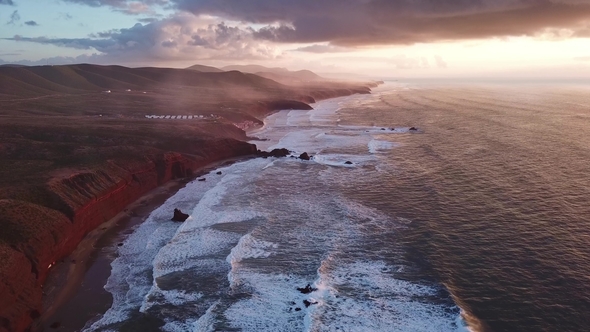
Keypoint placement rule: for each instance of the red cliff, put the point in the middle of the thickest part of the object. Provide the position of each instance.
(34, 237)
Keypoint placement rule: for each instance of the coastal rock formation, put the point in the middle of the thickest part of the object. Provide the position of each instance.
(179, 216)
(413, 129)
(278, 153)
(307, 289)
(348, 163)
(304, 156)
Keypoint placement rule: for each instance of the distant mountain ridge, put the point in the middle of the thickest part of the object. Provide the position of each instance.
(205, 69)
(83, 78)
(282, 75)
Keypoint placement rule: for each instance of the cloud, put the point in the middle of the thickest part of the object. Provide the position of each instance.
(64, 16)
(405, 62)
(14, 17)
(322, 48)
(136, 8)
(131, 7)
(371, 22)
(7, 2)
(440, 63)
(179, 37)
(148, 20)
(582, 58)
(32, 23)
(378, 22)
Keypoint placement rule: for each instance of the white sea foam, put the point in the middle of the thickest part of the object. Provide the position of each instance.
(130, 279)
(376, 146)
(272, 306)
(364, 296)
(195, 240)
(339, 160)
(247, 247)
(298, 118)
(205, 323)
(250, 247)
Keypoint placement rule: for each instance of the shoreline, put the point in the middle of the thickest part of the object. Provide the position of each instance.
(85, 271)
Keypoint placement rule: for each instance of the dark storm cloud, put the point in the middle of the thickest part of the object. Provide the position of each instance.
(32, 23)
(369, 22)
(7, 2)
(366, 22)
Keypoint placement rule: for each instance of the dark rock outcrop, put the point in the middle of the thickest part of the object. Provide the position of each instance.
(179, 216)
(348, 163)
(308, 303)
(278, 153)
(413, 129)
(304, 156)
(219, 173)
(307, 289)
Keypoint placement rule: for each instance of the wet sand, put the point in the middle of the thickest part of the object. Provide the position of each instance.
(74, 292)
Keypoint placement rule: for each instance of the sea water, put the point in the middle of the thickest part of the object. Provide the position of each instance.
(479, 217)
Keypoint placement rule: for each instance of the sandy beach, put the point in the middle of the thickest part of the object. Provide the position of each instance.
(74, 293)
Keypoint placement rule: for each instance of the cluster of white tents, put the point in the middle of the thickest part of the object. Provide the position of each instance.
(178, 117)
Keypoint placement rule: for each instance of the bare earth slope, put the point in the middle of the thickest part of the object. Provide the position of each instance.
(79, 143)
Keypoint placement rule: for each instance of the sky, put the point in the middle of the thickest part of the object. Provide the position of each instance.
(378, 38)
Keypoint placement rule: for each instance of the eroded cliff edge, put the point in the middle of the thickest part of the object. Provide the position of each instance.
(35, 236)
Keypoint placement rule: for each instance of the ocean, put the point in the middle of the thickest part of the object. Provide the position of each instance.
(479, 220)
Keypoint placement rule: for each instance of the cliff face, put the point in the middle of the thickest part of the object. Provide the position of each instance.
(34, 237)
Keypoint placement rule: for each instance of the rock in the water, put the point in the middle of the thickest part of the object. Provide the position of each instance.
(413, 129)
(307, 289)
(280, 153)
(304, 156)
(219, 173)
(297, 309)
(201, 179)
(348, 162)
(179, 216)
(308, 303)
(382, 128)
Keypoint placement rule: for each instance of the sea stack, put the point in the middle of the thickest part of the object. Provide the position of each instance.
(304, 156)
